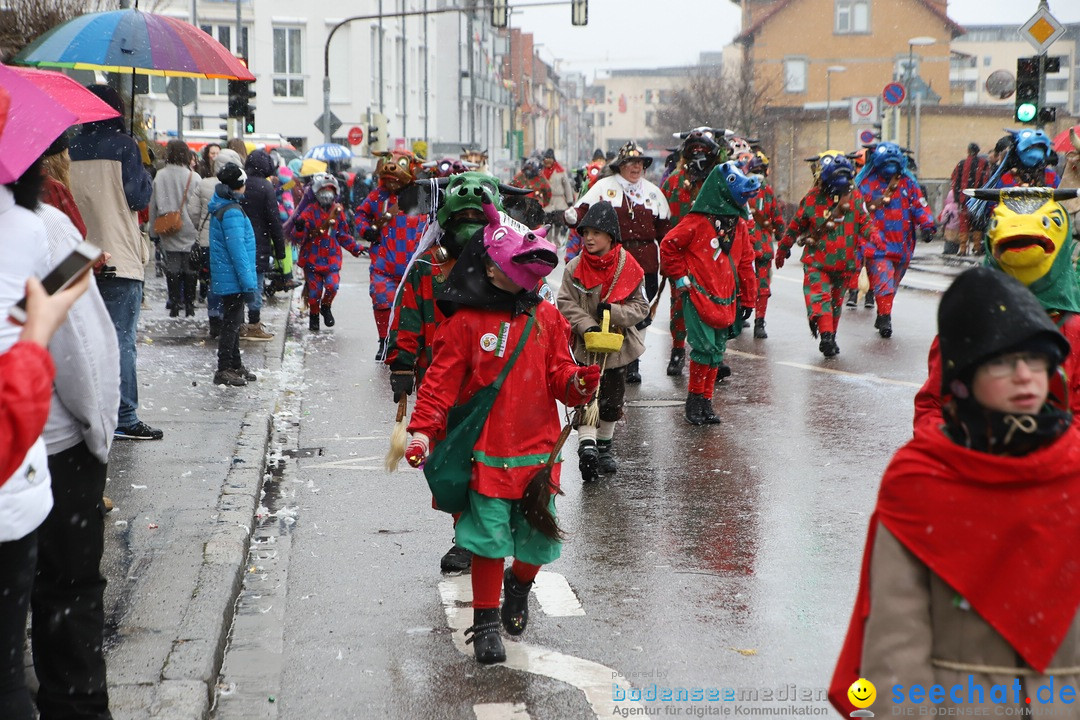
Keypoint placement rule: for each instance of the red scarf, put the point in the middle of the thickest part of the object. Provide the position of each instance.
(978, 520)
(549, 171)
(593, 270)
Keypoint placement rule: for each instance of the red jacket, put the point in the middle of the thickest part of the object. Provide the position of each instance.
(715, 277)
(26, 377)
(928, 399)
(524, 422)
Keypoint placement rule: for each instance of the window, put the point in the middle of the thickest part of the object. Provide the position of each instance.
(648, 97)
(795, 75)
(666, 97)
(986, 60)
(288, 64)
(225, 35)
(649, 117)
(159, 85)
(852, 16)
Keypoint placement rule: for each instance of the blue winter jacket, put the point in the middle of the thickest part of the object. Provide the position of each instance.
(232, 247)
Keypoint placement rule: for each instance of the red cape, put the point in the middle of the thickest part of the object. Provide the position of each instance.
(549, 171)
(978, 520)
(592, 271)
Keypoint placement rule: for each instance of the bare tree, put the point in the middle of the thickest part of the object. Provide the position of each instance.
(711, 96)
(21, 21)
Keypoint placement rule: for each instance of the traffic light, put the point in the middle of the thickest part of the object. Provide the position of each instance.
(378, 133)
(500, 13)
(579, 12)
(249, 121)
(237, 98)
(1028, 78)
(1051, 65)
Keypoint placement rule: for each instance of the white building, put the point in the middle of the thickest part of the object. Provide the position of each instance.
(404, 68)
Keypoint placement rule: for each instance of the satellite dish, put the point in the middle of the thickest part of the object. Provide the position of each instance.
(1001, 84)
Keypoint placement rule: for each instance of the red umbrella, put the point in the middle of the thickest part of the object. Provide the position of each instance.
(34, 121)
(1062, 144)
(86, 106)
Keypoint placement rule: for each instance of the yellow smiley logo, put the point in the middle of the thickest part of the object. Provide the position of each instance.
(862, 693)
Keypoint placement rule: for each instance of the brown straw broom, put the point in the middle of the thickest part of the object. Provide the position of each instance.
(398, 436)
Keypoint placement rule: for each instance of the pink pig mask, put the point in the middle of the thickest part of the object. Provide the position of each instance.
(525, 256)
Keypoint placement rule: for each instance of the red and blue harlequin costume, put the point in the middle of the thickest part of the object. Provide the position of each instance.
(397, 241)
(321, 235)
(897, 206)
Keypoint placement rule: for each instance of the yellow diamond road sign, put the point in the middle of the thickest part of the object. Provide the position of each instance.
(1041, 30)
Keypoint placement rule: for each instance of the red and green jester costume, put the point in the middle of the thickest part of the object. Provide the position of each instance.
(837, 228)
(766, 225)
(680, 191)
(712, 260)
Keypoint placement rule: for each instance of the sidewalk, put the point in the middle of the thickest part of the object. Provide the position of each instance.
(176, 546)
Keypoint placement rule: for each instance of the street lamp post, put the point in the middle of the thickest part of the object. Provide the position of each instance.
(921, 40)
(828, 100)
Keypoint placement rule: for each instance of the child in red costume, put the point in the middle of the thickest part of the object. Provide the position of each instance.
(969, 579)
(710, 256)
(499, 336)
(321, 230)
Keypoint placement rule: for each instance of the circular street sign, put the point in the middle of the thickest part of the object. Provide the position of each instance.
(181, 91)
(1001, 84)
(356, 135)
(893, 94)
(864, 107)
(866, 137)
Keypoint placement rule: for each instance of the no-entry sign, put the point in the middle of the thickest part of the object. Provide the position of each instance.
(893, 94)
(356, 135)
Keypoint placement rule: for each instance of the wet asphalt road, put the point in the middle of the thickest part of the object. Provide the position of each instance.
(717, 557)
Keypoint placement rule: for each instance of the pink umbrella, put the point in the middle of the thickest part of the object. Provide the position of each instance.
(87, 106)
(35, 120)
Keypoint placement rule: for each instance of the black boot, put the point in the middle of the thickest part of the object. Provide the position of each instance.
(172, 285)
(313, 322)
(852, 298)
(484, 637)
(607, 460)
(588, 460)
(707, 412)
(190, 290)
(380, 354)
(868, 301)
(633, 374)
(456, 559)
(695, 414)
(759, 329)
(515, 608)
(884, 325)
(675, 364)
(215, 326)
(828, 346)
(722, 371)
(327, 316)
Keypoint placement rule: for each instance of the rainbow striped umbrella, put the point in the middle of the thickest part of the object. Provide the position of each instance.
(133, 41)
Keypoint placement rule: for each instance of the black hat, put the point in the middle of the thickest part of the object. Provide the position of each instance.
(601, 216)
(631, 151)
(550, 153)
(986, 313)
(973, 148)
(232, 176)
(598, 154)
(59, 145)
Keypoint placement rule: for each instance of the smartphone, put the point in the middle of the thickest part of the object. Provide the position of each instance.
(79, 261)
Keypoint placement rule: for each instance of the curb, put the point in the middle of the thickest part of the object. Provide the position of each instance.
(191, 669)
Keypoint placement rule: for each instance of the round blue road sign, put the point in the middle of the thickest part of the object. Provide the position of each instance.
(893, 94)
(866, 137)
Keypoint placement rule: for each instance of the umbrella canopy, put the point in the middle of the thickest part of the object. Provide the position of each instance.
(34, 120)
(329, 152)
(133, 41)
(86, 106)
(1062, 144)
(311, 167)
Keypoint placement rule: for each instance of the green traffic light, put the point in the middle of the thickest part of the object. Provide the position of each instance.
(249, 127)
(1025, 112)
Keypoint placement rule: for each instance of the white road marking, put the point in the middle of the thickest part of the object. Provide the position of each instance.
(591, 678)
(555, 596)
(501, 711)
(351, 463)
(858, 376)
